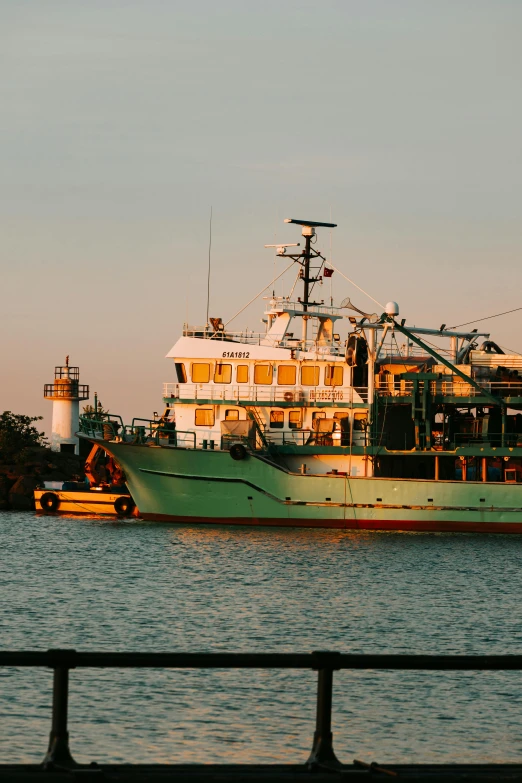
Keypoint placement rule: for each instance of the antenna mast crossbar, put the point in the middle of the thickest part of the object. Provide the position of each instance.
(304, 258)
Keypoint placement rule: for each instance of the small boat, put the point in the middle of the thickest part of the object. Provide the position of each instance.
(102, 492)
(76, 498)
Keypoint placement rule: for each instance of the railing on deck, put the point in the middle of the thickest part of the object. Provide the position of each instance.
(141, 431)
(151, 431)
(462, 389)
(394, 386)
(325, 663)
(507, 439)
(243, 393)
(307, 437)
(255, 338)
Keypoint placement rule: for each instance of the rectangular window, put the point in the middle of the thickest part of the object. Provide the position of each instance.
(318, 415)
(286, 374)
(242, 373)
(204, 417)
(295, 420)
(223, 373)
(263, 374)
(360, 422)
(232, 415)
(181, 374)
(200, 373)
(309, 376)
(343, 422)
(333, 375)
(277, 420)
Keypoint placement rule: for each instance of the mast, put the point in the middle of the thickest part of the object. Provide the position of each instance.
(308, 231)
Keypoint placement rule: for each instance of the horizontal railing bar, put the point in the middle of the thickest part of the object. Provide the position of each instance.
(318, 660)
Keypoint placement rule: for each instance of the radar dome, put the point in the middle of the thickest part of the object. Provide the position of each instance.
(392, 308)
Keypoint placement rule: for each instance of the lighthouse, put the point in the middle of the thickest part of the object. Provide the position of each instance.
(66, 393)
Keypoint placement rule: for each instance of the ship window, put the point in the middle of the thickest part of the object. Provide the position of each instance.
(277, 420)
(232, 415)
(180, 372)
(341, 415)
(242, 373)
(333, 375)
(309, 376)
(263, 374)
(295, 420)
(360, 421)
(223, 373)
(286, 374)
(318, 414)
(204, 417)
(200, 373)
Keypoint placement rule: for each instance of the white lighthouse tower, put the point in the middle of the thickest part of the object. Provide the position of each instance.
(66, 393)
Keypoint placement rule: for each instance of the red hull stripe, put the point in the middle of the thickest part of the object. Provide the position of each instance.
(350, 524)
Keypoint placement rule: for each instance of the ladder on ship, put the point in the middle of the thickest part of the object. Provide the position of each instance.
(254, 415)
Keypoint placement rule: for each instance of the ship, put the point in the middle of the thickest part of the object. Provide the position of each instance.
(388, 427)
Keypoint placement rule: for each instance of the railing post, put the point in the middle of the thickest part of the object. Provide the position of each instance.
(58, 751)
(322, 750)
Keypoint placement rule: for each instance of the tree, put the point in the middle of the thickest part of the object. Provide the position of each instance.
(17, 433)
(90, 412)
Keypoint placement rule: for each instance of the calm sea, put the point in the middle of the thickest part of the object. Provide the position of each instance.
(103, 585)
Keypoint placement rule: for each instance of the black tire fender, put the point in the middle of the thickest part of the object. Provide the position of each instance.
(50, 501)
(238, 451)
(124, 506)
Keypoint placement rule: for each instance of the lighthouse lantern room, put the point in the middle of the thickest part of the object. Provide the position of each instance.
(66, 393)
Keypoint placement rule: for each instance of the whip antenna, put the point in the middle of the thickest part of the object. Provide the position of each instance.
(209, 251)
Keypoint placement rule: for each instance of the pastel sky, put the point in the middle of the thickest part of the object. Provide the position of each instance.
(124, 121)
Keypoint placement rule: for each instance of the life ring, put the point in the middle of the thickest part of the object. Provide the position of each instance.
(50, 501)
(124, 506)
(238, 451)
(288, 396)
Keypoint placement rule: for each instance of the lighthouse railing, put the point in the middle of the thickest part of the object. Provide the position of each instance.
(67, 390)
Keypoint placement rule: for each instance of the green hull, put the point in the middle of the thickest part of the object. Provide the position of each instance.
(184, 485)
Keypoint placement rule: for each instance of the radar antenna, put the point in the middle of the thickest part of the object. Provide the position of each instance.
(304, 258)
(281, 249)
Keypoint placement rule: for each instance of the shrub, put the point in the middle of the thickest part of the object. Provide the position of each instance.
(17, 433)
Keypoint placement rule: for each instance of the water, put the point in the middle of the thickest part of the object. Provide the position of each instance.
(106, 585)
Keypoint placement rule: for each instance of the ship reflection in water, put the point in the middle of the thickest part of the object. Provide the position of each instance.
(105, 585)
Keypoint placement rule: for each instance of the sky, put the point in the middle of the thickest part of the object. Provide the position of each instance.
(124, 122)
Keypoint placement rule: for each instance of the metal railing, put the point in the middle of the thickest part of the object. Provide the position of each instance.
(394, 386)
(64, 371)
(256, 338)
(68, 390)
(280, 304)
(307, 437)
(141, 431)
(325, 663)
(207, 333)
(462, 389)
(510, 439)
(243, 393)
(147, 431)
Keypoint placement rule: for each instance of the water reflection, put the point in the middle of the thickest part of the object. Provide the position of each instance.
(103, 584)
